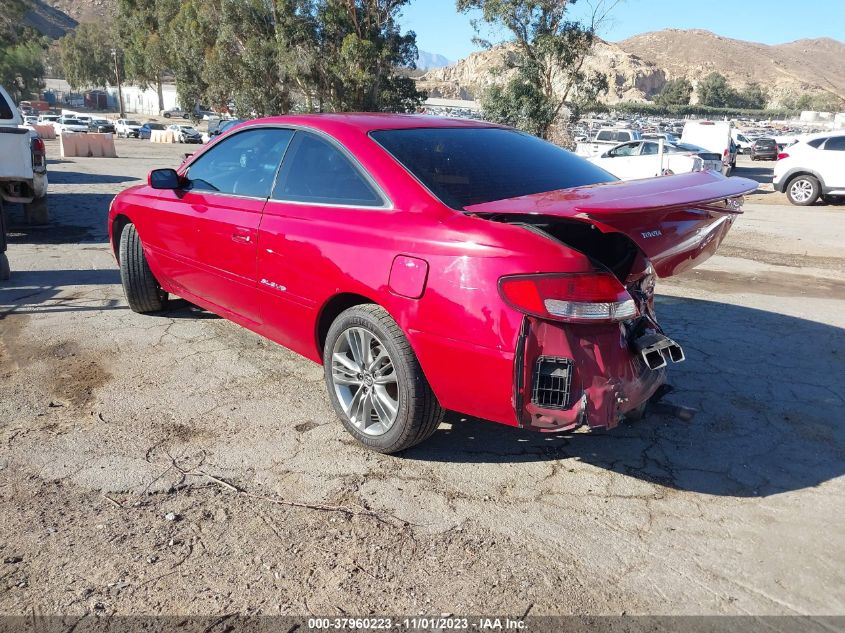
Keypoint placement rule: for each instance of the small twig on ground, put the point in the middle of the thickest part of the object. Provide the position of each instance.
(114, 501)
(296, 504)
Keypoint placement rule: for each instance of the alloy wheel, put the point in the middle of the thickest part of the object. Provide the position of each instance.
(801, 190)
(365, 381)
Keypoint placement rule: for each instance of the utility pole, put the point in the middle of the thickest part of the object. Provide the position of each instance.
(117, 75)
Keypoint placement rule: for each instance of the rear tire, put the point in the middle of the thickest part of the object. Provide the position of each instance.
(5, 269)
(803, 190)
(143, 292)
(36, 212)
(416, 411)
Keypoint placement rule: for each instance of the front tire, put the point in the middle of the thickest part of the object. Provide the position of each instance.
(375, 381)
(803, 190)
(143, 292)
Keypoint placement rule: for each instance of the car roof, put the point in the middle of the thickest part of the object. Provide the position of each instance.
(370, 121)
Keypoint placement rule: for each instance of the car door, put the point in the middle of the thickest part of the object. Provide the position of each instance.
(319, 217)
(226, 190)
(832, 165)
(622, 160)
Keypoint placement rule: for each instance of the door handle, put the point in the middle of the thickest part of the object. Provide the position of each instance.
(242, 236)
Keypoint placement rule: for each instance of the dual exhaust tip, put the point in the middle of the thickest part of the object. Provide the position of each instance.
(655, 348)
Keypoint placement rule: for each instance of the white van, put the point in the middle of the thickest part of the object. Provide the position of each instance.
(743, 143)
(714, 136)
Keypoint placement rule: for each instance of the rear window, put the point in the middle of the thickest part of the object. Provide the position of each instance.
(467, 166)
(816, 142)
(765, 142)
(835, 143)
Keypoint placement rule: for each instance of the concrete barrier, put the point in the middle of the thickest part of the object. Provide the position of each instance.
(45, 131)
(162, 136)
(87, 145)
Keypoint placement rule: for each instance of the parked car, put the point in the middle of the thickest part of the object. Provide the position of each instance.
(67, 124)
(714, 136)
(764, 149)
(605, 139)
(23, 172)
(30, 119)
(428, 264)
(175, 112)
(666, 136)
(185, 133)
(145, 131)
(47, 119)
(127, 128)
(102, 126)
(219, 126)
(812, 167)
(641, 159)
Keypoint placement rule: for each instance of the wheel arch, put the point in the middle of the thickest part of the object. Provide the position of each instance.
(118, 224)
(800, 171)
(331, 310)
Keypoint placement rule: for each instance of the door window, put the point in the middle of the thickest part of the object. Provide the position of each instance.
(244, 164)
(629, 149)
(317, 172)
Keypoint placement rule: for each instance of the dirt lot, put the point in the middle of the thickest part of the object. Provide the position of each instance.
(180, 464)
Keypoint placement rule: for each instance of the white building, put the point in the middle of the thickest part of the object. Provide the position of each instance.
(145, 100)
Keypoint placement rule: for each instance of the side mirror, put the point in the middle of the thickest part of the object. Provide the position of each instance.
(163, 179)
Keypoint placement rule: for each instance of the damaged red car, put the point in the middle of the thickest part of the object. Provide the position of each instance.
(428, 264)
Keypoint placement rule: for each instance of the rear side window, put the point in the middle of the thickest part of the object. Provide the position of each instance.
(315, 171)
(243, 164)
(467, 166)
(5, 108)
(835, 143)
(606, 135)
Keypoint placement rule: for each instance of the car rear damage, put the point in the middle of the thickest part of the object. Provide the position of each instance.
(590, 349)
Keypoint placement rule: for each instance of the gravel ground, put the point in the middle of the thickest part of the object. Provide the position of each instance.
(179, 464)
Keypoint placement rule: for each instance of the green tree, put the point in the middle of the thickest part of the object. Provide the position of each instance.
(827, 102)
(753, 96)
(547, 78)
(715, 92)
(141, 28)
(21, 51)
(675, 92)
(360, 46)
(88, 55)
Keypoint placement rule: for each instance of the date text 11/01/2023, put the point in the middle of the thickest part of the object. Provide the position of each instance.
(418, 623)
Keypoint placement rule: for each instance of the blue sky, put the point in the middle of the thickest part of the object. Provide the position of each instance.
(441, 29)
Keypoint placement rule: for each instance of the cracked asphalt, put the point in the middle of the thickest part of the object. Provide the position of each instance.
(180, 464)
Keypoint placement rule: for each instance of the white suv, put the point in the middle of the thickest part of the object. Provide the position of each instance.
(812, 167)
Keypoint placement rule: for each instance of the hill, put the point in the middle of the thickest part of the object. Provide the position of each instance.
(790, 69)
(638, 67)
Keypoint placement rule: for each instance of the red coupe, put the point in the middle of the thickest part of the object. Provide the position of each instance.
(428, 264)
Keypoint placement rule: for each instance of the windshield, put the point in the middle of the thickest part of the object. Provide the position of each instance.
(467, 166)
(73, 122)
(132, 123)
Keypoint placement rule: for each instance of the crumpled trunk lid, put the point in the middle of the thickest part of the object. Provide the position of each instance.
(676, 221)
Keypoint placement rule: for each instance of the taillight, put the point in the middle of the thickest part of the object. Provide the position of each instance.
(783, 155)
(595, 297)
(39, 160)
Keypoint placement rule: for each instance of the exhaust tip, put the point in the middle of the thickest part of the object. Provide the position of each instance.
(676, 354)
(653, 358)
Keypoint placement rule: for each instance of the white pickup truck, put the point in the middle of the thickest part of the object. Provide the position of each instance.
(23, 172)
(605, 139)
